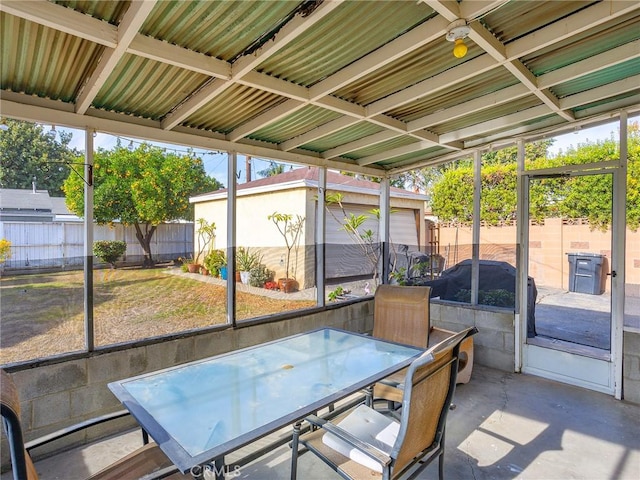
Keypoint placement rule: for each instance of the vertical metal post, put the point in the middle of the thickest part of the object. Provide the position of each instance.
(385, 209)
(89, 340)
(475, 255)
(618, 254)
(522, 256)
(320, 239)
(231, 238)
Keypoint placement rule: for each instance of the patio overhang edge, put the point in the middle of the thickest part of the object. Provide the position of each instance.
(58, 113)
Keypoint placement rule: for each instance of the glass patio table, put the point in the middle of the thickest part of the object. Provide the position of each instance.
(201, 411)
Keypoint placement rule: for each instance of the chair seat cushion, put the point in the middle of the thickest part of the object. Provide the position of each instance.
(371, 427)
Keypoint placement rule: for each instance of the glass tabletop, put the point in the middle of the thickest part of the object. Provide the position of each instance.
(202, 410)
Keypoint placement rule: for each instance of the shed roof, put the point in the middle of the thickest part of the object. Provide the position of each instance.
(308, 177)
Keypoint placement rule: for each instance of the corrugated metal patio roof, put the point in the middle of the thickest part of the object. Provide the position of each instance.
(362, 86)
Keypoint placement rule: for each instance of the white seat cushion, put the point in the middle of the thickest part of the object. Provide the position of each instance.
(369, 426)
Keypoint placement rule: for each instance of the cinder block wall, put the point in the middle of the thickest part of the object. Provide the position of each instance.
(494, 344)
(56, 395)
(631, 367)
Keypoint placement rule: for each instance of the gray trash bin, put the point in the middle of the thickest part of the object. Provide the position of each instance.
(587, 273)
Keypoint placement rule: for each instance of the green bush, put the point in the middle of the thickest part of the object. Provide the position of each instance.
(214, 260)
(109, 251)
(259, 275)
(497, 298)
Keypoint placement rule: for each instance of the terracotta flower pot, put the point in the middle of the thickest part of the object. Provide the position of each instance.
(193, 268)
(287, 285)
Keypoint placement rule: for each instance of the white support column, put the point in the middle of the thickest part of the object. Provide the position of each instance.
(88, 241)
(320, 239)
(384, 229)
(231, 238)
(522, 256)
(618, 254)
(475, 256)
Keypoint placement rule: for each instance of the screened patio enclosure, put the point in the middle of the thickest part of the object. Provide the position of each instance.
(369, 88)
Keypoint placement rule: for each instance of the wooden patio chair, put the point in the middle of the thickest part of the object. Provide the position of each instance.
(365, 444)
(148, 459)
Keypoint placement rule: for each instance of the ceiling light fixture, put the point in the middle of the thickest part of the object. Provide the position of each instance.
(52, 133)
(457, 32)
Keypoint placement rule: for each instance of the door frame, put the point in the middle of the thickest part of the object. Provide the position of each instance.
(612, 369)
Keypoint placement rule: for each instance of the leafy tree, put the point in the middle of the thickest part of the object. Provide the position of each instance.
(143, 187)
(27, 151)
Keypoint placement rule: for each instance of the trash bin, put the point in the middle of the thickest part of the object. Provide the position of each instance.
(587, 273)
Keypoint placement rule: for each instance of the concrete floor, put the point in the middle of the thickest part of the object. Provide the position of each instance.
(504, 426)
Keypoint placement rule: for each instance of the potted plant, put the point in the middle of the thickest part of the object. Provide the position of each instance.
(214, 261)
(245, 261)
(260, 275)
(290, 228)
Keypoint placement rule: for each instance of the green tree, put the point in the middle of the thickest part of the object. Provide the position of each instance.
(143, 187)
(28, 152)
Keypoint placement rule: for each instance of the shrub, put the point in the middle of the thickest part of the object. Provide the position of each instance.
(259, 275)
(109, 251)
(5, 250)
(497, 298)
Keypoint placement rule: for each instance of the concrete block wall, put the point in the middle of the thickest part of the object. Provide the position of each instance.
(494, 344)
(631, 367)
(56, 395)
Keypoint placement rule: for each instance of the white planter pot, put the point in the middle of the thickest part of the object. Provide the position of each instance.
(244, 277)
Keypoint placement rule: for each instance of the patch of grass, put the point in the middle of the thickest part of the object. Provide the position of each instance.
(43, 314)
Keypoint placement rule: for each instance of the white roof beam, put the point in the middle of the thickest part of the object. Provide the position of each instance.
(490, 100)
(63, 19)
(272, 115)
(246, 64)
(433, 85)
(396, 152)
(131, 22)
(491, 125)
(606, 91)
(292, 30)
(410, 41)
(164, 52)
(45, 110)
(361, 143)
(593, 16)
(603, 60)
(319, 132)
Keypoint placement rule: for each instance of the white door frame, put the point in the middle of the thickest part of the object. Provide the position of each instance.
(595, 374)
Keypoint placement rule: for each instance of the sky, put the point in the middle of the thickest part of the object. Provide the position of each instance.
(215, 163)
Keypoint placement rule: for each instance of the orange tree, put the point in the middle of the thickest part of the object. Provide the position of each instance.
(143, 187)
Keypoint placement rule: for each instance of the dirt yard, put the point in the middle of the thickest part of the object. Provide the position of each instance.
(43, 314)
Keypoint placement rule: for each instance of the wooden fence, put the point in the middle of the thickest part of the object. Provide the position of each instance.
(37, 245)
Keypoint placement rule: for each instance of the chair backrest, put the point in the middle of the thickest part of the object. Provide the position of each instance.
(23, 468)
(401, 314)
(428, 392)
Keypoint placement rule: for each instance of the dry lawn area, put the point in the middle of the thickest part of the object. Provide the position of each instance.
(43, 314)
